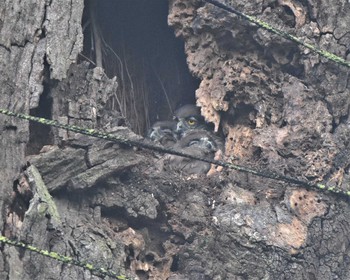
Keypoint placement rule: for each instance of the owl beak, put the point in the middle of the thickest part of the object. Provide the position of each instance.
(154, 134)
(209, 145)
(180, 127)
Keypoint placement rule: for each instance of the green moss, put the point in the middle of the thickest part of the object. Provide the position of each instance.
(47, 205)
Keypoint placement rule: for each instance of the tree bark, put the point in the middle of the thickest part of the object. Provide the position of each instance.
(280, 107)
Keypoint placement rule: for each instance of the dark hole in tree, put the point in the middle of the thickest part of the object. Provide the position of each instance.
(289, 17)
(175, 264)
(149, 257)
(140, 49)
(40, 134)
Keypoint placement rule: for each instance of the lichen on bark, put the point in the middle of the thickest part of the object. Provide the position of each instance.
(279, 106)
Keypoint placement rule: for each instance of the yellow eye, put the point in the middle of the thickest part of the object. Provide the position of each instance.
(191, 121)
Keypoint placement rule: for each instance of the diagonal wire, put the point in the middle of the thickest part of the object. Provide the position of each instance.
(98, 271)
(268, 27)
(157, 148)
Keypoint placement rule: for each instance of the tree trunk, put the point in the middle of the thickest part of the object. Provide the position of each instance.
(280, 107)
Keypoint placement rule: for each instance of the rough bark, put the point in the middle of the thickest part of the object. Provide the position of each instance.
(279, 106)
(31, 37)
(287, 109)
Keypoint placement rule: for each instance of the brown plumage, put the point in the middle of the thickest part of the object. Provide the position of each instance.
(201, 143)
(163, 132)
(188, 117)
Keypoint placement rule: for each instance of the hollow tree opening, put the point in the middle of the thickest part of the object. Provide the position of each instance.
(40, 134)
(130, 39)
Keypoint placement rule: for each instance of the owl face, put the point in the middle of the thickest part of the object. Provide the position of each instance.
(198, 142)
(163, 132)
(203, 143)
(188, 117)
(190, 134)
(202, 139)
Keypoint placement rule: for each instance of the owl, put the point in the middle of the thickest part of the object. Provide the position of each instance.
(196, 142)
(163, 132)
(188, 117)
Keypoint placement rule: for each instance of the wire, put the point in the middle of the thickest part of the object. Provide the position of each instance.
(268, 27)
(98, 271)
(157, 148)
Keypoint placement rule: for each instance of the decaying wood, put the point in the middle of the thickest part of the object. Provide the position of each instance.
(279, 107)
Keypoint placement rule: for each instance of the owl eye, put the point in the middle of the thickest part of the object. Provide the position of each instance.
(193, 142)
(191, 121)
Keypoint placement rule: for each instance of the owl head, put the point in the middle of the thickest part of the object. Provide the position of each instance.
(197, 142)
(163, 132)
(202, 139)
(188, 117)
